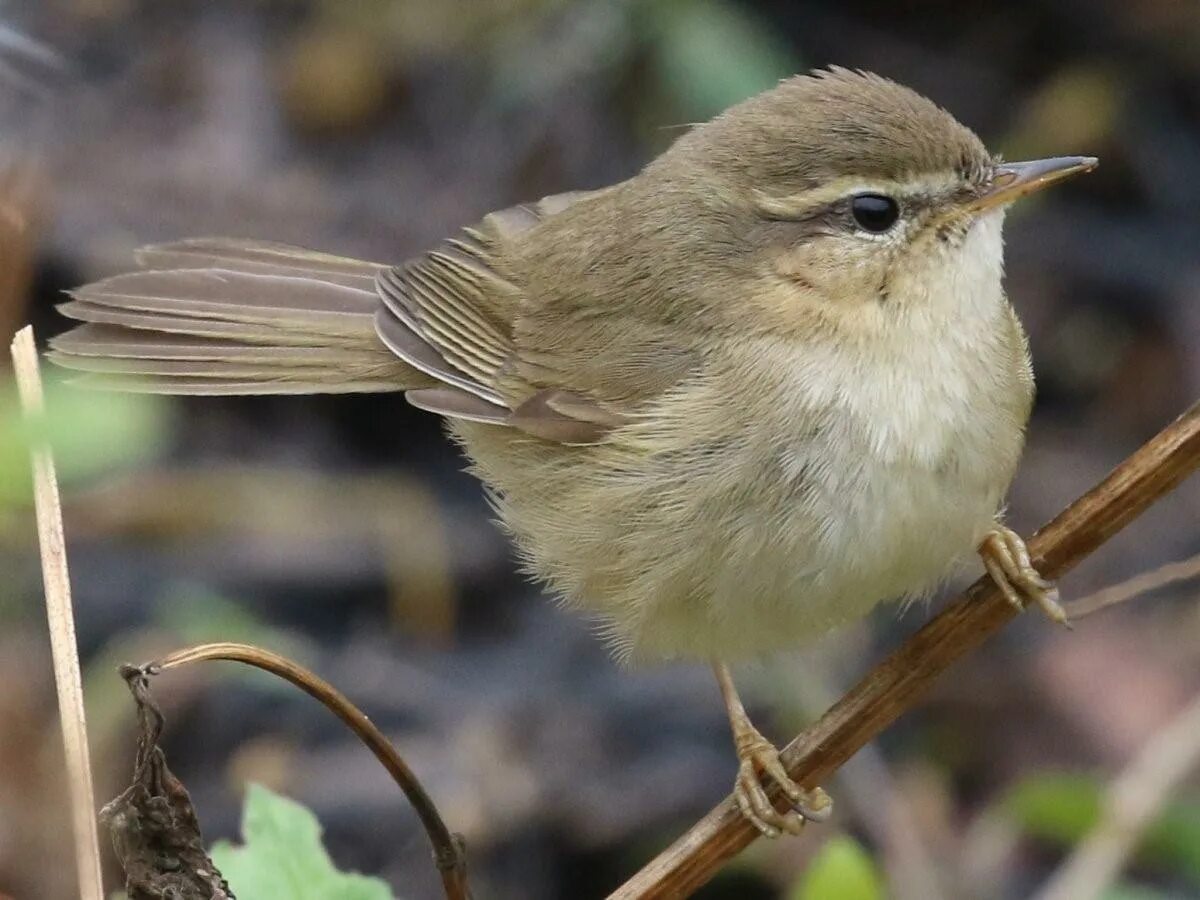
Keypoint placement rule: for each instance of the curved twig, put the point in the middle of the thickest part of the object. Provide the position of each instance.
(449, 851)
(897, 683)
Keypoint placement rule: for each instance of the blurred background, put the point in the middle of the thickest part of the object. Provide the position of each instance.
(342, 531)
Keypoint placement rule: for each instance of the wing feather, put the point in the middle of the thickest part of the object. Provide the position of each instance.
(454, 314)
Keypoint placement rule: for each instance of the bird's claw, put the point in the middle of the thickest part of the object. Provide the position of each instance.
(757, 758)
(1006, 559)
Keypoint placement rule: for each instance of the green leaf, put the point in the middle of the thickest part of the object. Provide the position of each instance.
(1132, 892)
(842, 870)
(1175, 839)
(283, 856)
(1060, 808)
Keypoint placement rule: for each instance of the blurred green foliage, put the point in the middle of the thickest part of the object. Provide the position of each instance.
(89, 431)
(710, 54)
(691, 58)
(195, 614)
(1060, 808)
(282, 856)
(1133, 892)
(842, 870)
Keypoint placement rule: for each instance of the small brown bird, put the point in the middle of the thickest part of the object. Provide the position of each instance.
(724, 406)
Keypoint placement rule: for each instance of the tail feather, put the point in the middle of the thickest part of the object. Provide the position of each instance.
(233, 369)
(153, 326)
(259, 257)
(239, 318)
(319, 307)
(297, 383)
(117, 342)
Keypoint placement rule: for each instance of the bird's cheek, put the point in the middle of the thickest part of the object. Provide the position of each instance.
(798, 267)
(834, 270)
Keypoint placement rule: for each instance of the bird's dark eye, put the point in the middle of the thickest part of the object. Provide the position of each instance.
(874, 212)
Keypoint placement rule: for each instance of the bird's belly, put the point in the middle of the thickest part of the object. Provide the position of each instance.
(867, 502)
(894, 530)
(807, 561)
(865, 495)
(768, 531)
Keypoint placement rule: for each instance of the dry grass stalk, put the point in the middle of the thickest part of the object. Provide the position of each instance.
(1142, 583)
(63, 646)
(1134, 800)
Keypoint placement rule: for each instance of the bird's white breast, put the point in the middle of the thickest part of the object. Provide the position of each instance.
(889, 462)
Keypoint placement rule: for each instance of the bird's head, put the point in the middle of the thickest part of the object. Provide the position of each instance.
(854, 192)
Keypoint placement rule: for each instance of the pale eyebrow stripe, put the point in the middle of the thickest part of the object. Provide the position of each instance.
(804, 203)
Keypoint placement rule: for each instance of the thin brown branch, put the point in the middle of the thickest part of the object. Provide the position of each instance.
(63, 647)
(897, 683)
(1144, 583)
(1134, 800)
(449, 852)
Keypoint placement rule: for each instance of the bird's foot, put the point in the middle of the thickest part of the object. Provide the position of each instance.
(758, 758)
(1006, 559)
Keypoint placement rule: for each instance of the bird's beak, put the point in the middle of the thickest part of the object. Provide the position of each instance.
(1012, 181)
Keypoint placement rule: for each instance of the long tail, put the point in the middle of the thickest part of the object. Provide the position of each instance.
(222, 316)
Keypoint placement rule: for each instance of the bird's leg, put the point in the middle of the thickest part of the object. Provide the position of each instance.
(1006, 559)
(758, 757)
